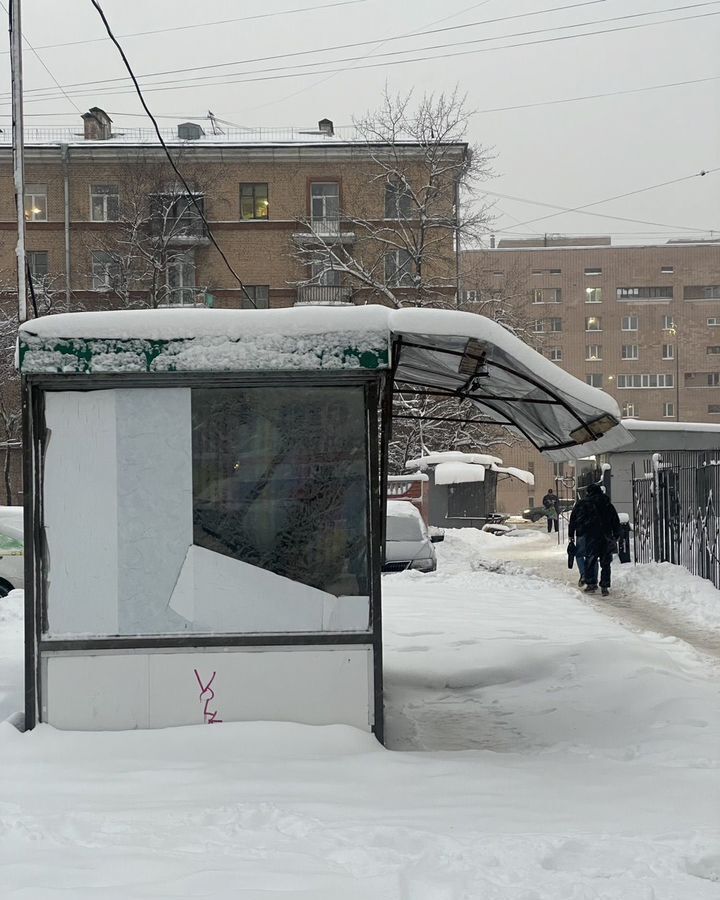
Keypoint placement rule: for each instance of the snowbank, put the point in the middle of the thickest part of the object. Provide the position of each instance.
(674, 588)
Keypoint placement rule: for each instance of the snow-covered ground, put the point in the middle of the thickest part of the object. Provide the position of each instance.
(566, 758)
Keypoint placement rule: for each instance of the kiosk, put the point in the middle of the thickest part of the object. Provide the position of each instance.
(204, 496)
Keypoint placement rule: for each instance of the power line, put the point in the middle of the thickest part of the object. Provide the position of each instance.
(640, 90)
(177, 171)
(584, 209)
(42, 62)
(309, 87)
(271, 15)
(355, 44)
(267, 73)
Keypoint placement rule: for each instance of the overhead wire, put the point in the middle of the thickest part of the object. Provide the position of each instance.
(196, 25)
(325, 49)
(267, 74)
(42, 62)
(169, 156)
(585, 208)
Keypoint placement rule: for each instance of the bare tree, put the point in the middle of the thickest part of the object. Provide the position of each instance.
(146, 255)
(394, 235)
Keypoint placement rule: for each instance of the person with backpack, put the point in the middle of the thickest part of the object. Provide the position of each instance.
(594, 520)
(551, 505)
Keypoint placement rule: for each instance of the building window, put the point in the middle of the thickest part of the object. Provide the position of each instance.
(104, 203)
(531, 466)
(664, 292)
(593, 351)
(712, 351)
(668, 323)
(713, 321)
(630, 323)
(668, 410)
(37, 261)
(254, 201)
(713, 379)
(558, 469)
(630, 351)
(714, 408)
(645, 381)
(668, 351)
(593, 270)
(667, 270)
(538, 326)
(531, 501)
(36, 203)
(259, 294)
(105, 271)
(593, 323)
(594, 380)
(554, 271)
(398, 200)
(629, 410)
(180, 280)
(555, 354)
(554, 325)
(399, 269)
(325, 206)
(702, 292)
(546, 295)
(593, 295)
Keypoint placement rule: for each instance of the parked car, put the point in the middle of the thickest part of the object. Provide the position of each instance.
(408, 545)
(538, 512)
(12, 571)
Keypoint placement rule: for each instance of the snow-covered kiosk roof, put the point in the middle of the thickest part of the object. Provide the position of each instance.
(454, 354)
(458, 467)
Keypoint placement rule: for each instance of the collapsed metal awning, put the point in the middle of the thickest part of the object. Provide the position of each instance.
(467, 357)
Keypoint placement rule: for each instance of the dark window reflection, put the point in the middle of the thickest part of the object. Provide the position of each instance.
(280, 481)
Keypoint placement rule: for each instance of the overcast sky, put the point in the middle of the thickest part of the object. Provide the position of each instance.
(565, 154)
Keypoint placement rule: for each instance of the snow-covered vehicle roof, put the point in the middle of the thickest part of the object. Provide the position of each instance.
(455, 354)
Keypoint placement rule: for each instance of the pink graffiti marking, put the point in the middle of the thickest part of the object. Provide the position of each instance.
(207, 694)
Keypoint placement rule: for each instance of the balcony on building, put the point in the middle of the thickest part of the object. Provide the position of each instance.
(324, 295)
(325, 230)
(177, 220)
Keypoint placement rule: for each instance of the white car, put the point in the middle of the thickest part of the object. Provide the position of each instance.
(407, 542)
(12, 571)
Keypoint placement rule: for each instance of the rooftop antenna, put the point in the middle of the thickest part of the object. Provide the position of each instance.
(216, 129)
(18, 153)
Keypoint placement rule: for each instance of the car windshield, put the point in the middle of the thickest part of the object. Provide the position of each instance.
(404, 528)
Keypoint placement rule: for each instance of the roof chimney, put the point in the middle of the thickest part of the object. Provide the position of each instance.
(97, 124)
(492, 241)
(189, 131)
(325, 126)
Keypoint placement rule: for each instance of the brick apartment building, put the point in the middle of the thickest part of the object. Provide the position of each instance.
(109, 225)
(276, 201)
(640, 322)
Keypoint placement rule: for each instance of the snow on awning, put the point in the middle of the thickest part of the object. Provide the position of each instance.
(452, 354)
(468, 357)
(435, 459)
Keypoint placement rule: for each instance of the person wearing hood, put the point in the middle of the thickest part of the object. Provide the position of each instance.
(595, 520)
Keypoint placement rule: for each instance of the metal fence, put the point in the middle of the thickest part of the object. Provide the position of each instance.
(676, 511)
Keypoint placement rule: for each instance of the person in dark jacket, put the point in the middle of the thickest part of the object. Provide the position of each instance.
(595, 520)
(551, 505)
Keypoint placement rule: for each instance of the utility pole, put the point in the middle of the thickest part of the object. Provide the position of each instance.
(18, 152)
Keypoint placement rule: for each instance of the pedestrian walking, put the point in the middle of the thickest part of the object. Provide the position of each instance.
(551, 505)
(594, 524)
